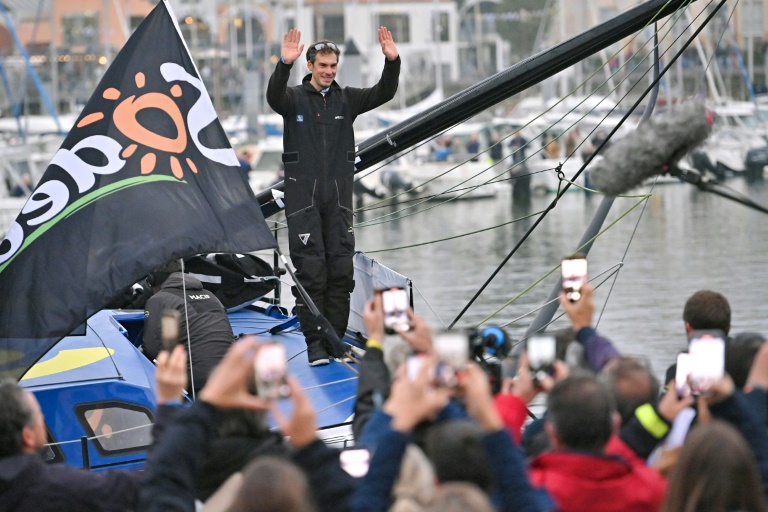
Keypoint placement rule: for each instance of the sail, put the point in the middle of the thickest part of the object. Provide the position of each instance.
(145, 176)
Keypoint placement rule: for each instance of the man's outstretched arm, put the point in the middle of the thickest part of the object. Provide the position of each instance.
(277, 90)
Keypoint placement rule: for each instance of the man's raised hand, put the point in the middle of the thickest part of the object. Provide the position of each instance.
(388, 47)
(291, 50)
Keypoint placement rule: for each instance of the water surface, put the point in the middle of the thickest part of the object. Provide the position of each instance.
(685, 240)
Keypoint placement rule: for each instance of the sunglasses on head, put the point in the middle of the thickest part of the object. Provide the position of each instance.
(320, 46)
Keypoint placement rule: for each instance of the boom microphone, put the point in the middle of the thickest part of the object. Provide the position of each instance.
(653, 146)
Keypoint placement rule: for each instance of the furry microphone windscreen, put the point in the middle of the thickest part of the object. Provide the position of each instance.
(644, 153)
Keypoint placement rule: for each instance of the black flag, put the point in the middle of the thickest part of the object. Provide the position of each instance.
(145, 176)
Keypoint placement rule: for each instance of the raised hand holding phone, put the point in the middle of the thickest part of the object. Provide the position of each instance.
(707, 359)
(271, 371)
(169, 329)
(395, 305)
(542, 350)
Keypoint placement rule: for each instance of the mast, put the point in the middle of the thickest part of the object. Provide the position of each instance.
(498, 87)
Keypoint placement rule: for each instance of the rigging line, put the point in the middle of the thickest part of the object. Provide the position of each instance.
(624, 257)
(371, 222)
(461, 96)
(611, 111)
(587, 243)
(588, 160)
(439, 194)
(609, 271)
(558, 317)
(646, 116)
(541, 149)
(429, 306)
(456, 236)
(584, 82)
(336, 404)
(720, 39)
(92, 438)
(189, 334)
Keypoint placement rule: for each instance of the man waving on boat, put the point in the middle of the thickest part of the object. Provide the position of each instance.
(319, 158)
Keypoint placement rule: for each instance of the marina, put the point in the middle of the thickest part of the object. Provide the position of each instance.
(659, 244)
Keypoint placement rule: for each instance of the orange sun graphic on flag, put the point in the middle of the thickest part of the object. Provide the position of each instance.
(125, 120)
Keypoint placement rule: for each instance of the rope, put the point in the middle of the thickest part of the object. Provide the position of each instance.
(454, 237)
(591, 240)
(522, 162)
(546, 129)
(189, 334)
(102, 435)
(589, 159)
(617, 267)
(711, 57)
(429, 306)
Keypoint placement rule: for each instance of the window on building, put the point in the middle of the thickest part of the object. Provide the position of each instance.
(80, 28)
(398, 24)
(330, 26)
(440, 27)
(117, 427)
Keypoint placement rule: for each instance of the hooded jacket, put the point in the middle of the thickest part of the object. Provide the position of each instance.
(208, 322)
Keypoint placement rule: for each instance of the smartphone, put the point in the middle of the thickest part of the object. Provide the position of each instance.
(707, 359)
(271, 371)
(413, 366)
(452, 349)
(574, 270)
(395, 305)
(682, 371)
(169, 329)
(542, 351)
(355, 461)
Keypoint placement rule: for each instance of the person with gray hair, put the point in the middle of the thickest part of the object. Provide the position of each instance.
(28, 483)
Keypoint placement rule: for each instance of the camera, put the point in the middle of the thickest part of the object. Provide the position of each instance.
(574, 271)
(271, 371)
(489, 347)
(395, 304)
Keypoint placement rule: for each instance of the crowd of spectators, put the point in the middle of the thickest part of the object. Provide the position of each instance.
(611, 437)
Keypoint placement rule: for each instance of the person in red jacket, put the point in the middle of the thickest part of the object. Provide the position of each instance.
(578, 473)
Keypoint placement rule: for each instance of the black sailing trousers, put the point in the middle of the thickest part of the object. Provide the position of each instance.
(322, 246)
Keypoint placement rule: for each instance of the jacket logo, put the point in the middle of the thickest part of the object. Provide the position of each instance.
(304, 237)
(339, 117)
(299, 118)
(200, 297)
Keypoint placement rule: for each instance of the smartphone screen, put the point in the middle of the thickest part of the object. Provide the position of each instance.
(452, 349)
(707, 359)
(271, 371)
(355, 461)
(395, 305)
(682, 372)
(574, 270)
(169, 328)
(542, 350)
